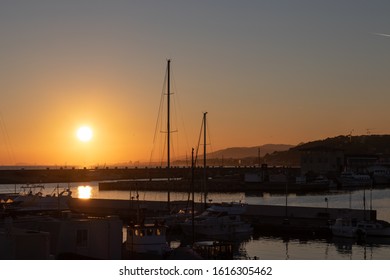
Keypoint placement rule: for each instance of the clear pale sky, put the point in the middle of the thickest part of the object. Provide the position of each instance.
(265, 71)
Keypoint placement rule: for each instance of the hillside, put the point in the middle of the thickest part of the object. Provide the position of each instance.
(288, 155)
(245, 152)
(362, 145)
(365, 144)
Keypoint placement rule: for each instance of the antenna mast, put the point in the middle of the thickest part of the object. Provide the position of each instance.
(204, 160)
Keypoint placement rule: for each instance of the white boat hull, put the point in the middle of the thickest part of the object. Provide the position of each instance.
(219, 221)
(358, 229)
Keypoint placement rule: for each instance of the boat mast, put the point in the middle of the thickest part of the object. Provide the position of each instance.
(169, 129)
(193, 196)
(204, 161)
(364, 202)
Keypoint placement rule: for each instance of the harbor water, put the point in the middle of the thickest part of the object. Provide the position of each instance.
(274, 247)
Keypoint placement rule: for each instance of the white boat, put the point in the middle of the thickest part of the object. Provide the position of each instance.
(320, 182)
(353, 228)
(146, 241)
(250, 178)
(32, 199)
(380, 174)
(221, 221)
(350, 179)
(173, 220)
(376, 228)
(345, 228)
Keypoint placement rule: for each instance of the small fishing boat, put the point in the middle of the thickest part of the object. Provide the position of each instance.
(349, 179)
(146, 241)
(353, 228)
(380, 174)
(345, 228)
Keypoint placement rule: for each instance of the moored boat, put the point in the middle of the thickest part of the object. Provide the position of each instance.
(221, 221)
(33, 199)
(353, 228)
(349, 179)
(380, 174)
(146, 241)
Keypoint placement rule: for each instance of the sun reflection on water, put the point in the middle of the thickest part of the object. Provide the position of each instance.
(84, 192)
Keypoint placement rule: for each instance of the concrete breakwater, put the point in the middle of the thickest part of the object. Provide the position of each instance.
(266, 218)
(26, 175)
(212, 185)
(69, 174)
(217, 185)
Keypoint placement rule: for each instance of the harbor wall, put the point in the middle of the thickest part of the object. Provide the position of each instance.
(68, 174)
(58, 175)
(271, 218)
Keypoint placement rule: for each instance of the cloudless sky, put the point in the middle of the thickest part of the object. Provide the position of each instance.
(265, 71)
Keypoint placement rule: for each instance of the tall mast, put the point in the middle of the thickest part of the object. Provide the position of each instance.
(169, 129)
(204, 160)
(193, 196)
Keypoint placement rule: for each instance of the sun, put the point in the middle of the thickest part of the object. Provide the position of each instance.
(84, 134)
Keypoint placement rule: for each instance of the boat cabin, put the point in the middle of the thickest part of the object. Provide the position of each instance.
(146, 239)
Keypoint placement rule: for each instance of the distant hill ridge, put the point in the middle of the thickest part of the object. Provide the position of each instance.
(363, 144)
(289, 155)
(358, 145)
(245, 152)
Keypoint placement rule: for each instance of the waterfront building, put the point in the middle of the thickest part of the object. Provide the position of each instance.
(68, 237)
(321, 160)
(23, 244)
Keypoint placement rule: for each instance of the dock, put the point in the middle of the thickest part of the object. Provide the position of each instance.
(72, 174)
(264, 218)
(179, 185)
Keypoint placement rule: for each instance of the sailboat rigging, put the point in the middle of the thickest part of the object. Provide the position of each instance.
(204, 128)
(204, 161)
(169, 130)
(166, 129)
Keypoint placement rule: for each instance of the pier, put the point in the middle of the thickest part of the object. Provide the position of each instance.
(265, 218)
(71, 174)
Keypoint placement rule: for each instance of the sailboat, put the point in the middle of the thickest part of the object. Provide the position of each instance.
(219, 221)
(148, 240)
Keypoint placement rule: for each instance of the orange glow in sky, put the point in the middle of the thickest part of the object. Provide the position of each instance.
(265, 72)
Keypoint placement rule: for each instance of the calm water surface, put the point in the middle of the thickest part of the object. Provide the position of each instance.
(274, 247)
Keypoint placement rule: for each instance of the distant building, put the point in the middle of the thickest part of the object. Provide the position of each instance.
(321, 160)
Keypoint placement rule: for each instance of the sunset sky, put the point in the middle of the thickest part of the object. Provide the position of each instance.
(265, 71)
